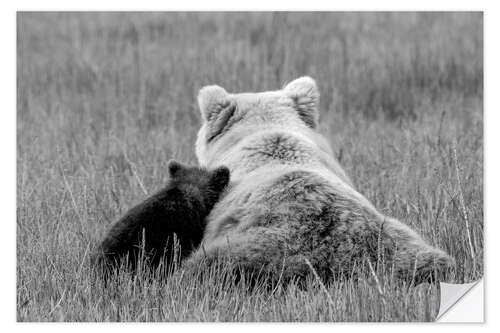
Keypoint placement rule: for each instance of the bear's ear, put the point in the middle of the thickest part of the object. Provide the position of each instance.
(305, 96)
(212, 99)
(216, 108)
(220, 178)
(174, 167)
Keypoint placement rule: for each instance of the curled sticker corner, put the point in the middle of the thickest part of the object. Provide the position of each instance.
(451, 293)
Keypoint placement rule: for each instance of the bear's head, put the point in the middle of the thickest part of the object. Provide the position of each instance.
(205, 184)
(227, 115)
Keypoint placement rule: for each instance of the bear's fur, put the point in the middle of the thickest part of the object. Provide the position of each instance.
(289, 199)
(178, 209)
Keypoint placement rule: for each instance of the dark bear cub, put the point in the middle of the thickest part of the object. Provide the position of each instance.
(147, 230)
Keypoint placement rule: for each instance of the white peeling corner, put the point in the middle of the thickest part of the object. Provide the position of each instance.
(461, 303)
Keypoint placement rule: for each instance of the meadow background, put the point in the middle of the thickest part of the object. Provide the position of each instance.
(104, 100)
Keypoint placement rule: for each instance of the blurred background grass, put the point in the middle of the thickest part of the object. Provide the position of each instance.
(106, 99)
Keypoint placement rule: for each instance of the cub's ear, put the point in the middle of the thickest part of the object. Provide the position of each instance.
(220, 178)
(305, 96)
(174, 167)
(216, 108)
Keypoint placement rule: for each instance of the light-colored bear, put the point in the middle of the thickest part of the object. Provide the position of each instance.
(290, 205)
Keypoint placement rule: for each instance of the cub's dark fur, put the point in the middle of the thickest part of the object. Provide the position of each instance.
(180, 208)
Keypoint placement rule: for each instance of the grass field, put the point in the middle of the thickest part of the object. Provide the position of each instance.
(105, 100)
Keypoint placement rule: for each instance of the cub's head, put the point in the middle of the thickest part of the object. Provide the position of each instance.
(207, 185)
(228, 116)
